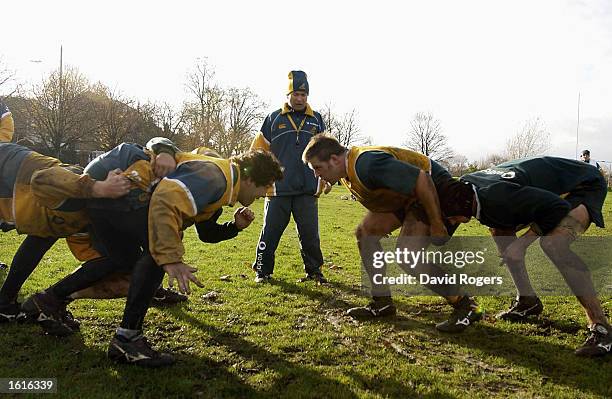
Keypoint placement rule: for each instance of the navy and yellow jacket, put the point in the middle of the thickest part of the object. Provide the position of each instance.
(531, 191)
(383, 178)
(19, 206)
(7, 125)
(135, 162)
(285, 133)
(193, 194)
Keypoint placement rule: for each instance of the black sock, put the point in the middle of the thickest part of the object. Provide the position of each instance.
(28, 256)
(146, 278)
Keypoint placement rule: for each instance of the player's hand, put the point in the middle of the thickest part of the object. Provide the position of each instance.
(515, 253)
(183, 274)
(243, 217)
(328, 188)
(163, 164)
(439, 235)
(116, 185)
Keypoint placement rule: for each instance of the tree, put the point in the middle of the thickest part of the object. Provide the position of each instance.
(171, 122)
(457, 165)
(243, 113)
(344, 127)
(425, 136)
(203, 111)
(147, 123)
(61, 113)
(7, 80)
(329, 118)
(491, 160)
(533, 139)
(24, 122)
(116, 117)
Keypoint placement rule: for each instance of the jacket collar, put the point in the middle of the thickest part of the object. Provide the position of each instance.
(287, 108)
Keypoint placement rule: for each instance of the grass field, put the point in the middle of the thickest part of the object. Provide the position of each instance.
(292, 340)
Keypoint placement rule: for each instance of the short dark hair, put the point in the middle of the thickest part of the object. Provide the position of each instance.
(260, 166)
(456, 197)
(586, 152)
(322, 147)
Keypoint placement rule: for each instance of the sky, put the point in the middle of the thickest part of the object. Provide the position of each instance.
(481, 67)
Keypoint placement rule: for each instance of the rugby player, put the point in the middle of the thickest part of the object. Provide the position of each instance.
(20, 210)
(398, 187)
(559, 199)
(154, 221)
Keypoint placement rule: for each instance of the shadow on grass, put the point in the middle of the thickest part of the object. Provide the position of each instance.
(294, 380)
(556, 363)
(390, 388)
(85, 371)
(331, 301)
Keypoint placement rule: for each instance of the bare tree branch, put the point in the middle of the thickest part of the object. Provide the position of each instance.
(345, 127)
(203, 111)
(8, 85)
(243, 114)
(425, 136)
(116, 117)
(61, 113)
(533, 139)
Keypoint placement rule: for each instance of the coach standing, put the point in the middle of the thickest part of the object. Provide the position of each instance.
(285, 132)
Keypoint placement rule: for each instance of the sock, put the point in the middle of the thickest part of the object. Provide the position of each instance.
(127, 333)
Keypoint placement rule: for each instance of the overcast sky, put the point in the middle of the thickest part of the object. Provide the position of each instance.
(481, 67)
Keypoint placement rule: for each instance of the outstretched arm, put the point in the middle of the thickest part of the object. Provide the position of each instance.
(212, 232)
(53, 186)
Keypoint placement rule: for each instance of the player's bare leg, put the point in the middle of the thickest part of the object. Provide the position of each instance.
(556, 245)
(415, 235)
(527, 303)
(372, 228)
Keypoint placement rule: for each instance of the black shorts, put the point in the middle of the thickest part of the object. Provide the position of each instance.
(592, 195)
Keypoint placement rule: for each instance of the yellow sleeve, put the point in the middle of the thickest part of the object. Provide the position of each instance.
(260, 142)
(7, 128)
(52, 186)
(169, 208)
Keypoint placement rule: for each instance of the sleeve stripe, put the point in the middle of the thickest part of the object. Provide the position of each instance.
(231, 186)
(187, 191)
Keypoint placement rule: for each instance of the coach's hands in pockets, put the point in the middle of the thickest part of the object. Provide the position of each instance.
(183, 274)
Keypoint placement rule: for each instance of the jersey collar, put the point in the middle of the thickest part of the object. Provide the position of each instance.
(287, 108)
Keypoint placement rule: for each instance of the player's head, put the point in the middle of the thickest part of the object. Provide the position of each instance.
(298, 90)
(326, 157)
(456, 202)
(586, 155)
(258, 171)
